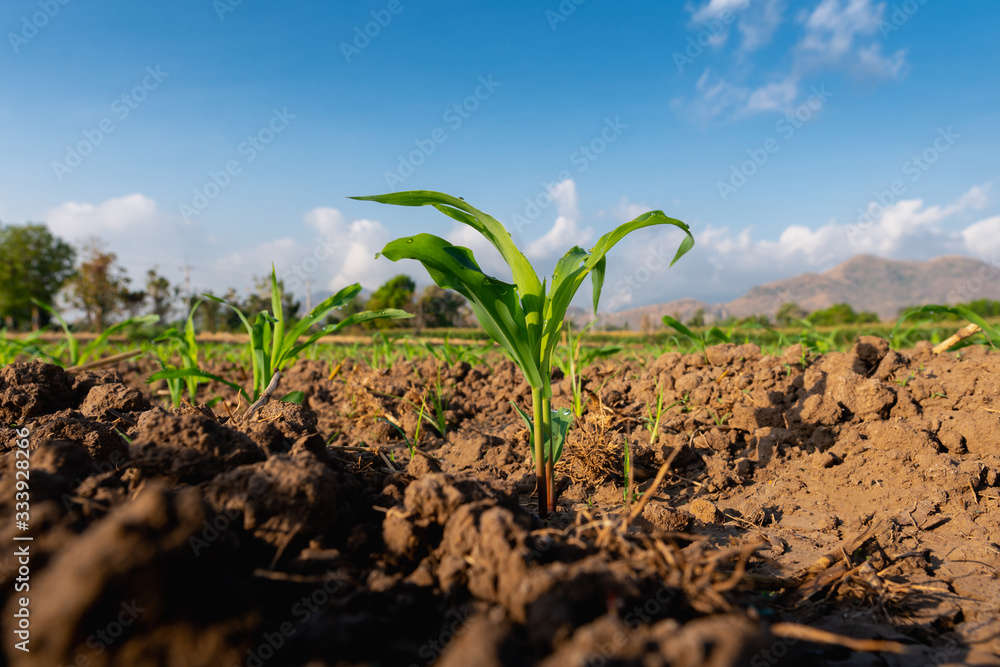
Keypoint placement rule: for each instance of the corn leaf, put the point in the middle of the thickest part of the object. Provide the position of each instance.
(278, 335)
(178, 373)
(561, 421)
(524, 275)
(494, 302)
(683, 330)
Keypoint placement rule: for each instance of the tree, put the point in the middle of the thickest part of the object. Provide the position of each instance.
(208, 314)
(260, 299)
(132, 302)
(99, 285)
(647, 324)
(698, 319)
(841, 313)
(440, 308)
(397, 292)
(161, 294)
(789, 314)
(34, 264)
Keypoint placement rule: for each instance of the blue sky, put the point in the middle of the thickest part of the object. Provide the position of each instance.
(790, 135)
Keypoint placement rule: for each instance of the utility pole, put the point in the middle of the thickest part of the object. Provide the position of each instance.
(187, 285)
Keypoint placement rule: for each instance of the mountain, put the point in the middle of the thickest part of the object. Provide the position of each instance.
(866, 282)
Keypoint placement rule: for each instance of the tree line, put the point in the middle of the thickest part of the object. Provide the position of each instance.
(38, 266)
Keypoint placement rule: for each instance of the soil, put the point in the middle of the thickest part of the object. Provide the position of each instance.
(840, 509)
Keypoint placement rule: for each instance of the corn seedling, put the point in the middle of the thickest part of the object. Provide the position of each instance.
(991, 333)
(629, 478)
(526, 317)
(719, 420)
(577, 358)
(93, 349)
(653, 417)
(700, 341)
(274, 344)
(185, 344)
(12, 348)
(409, 445)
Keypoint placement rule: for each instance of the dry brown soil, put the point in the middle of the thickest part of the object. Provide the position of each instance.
(806, 501)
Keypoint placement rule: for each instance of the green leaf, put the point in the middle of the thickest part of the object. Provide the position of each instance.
(683, 330)
(561, 420)
(716, 334)
(177, 373)
(494, 302)
(294, 397)
(356, 318)
(278, 336)
(523, 273)
(98, 342)
(992, 335)
(531, 428)
(608, 241)
(318, 314)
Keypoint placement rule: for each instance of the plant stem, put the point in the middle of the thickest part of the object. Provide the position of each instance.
(540, 481)
(550, 492)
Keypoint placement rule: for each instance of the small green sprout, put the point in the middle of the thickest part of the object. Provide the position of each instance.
(526, 317)
(93, 349)
(714, 335)
(576, 359)
(271, 347)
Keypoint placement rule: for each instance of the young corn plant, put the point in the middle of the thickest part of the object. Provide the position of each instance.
(713, 335)
(577, 358)
(93, 349)
(185, 344)
(526, 317)
(274, 342)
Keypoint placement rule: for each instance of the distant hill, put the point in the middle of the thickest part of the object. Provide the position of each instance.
(866, 282)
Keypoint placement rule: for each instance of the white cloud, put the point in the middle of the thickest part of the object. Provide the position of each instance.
(565, 232)
(835, 35)
(774, 96)
(983, 238)
(119, 215)
(716, 96)
(135, 229)
(323, 248)
(344, 252)
(835, 30)
(759, 24)
(624, 210)
(756, 21)
(332, 251)
(724, 264)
